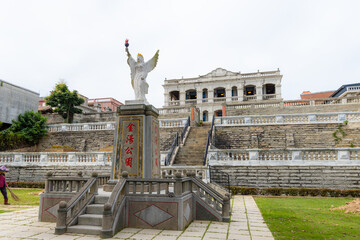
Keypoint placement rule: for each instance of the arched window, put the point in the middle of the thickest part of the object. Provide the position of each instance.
(205, 95)
(205, 116)
(218, 113)
(219, 92)
(269, 88)
(250, 90)
(190, 96)
(174, 98)
(174, 95)
(234, 91)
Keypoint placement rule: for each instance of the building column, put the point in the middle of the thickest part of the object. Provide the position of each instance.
(241, 93)
(259, 92)
(210, 96)
(278, 91)
(182, 97)
(228, 94)
(199, 96)
(167, 99)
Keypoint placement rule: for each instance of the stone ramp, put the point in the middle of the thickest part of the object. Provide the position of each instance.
(246, 223)
(192, 153)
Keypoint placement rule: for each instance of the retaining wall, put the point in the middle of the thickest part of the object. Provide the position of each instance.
(335, 177)
(38, 173)
(285, 136)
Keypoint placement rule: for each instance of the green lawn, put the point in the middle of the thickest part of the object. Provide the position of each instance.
(26, 196)
(309, 218)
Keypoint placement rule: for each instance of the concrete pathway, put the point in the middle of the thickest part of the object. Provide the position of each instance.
(246, 223)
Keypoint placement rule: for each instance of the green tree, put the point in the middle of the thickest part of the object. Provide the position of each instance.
(64, 101)
(30, 125)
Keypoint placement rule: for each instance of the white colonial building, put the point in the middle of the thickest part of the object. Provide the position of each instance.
(210, 91)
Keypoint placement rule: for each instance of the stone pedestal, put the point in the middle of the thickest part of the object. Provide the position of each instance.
(136, 142)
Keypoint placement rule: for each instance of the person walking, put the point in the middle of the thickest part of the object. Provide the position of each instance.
(3, 184)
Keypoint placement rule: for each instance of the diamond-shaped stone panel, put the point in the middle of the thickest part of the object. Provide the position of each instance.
(153, 215)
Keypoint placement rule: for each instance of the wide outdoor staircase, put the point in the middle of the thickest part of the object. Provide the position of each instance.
(192, 152)
(91, 221)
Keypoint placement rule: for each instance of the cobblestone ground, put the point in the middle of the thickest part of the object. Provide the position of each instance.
(246, 223)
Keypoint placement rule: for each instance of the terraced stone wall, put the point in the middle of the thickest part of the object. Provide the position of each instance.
(334, 177)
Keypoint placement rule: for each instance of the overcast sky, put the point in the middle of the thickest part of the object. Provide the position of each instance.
(316, 44)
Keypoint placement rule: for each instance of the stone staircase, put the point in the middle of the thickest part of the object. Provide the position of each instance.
(91, 221)
(192, 153)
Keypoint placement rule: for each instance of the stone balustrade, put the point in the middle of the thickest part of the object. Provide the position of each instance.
(287, 119)
(48, 158)
(200, 171)
(95, 126)
(291, 103)
(330, 157)
(174, 110)
(172, 123)
(163, 123)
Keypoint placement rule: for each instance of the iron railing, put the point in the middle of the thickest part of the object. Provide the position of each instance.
(210, 136)
(219, 177)
(183, 132)
(174, 144)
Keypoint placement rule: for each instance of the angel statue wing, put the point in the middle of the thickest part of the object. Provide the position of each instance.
(131, 61)
(151, 64)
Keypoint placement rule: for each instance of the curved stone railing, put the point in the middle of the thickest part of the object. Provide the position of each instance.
(49, 158)
(318, 156)
(101, 126)
(95, 126)
(309, 118)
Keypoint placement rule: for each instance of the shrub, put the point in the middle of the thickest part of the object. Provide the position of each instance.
(26, 184)
(291, 191)
(273, 191)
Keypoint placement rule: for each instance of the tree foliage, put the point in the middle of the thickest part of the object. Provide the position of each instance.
(27, 128)
(64, 101)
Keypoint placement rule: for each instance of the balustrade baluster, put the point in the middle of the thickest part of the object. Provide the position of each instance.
(158, 188)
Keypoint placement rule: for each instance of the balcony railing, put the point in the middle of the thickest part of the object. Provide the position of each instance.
(308, 156)
(50, 159)
(309, 118)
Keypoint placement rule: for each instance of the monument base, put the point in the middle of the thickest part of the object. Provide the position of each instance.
(136, 141)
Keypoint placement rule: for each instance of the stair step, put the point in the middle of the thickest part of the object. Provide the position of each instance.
(101, 199)
(95, 209)
(90, 219)
(85, 229)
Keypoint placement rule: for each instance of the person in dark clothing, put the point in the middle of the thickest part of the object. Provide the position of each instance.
(3, 184)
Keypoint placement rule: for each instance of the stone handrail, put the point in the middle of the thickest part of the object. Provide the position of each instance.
(308, 118)
(69, 212)
(51, 158)
(219, 203)
(112, 207)
(301, 156)
(170, 187)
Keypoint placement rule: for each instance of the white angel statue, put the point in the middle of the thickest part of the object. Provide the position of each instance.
(139, 71)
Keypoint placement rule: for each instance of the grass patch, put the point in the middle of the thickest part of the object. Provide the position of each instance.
(28, 196)
(308, 218)
(4, 211)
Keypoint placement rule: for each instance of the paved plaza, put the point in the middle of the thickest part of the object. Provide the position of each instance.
(246, 223)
